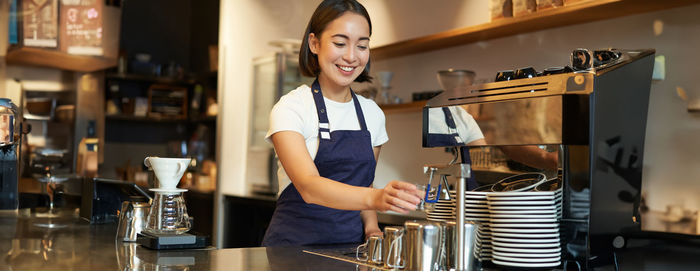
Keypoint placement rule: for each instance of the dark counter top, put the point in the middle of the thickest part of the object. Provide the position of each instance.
(71, 244)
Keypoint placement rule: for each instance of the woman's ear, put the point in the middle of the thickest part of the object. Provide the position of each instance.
(314, 43)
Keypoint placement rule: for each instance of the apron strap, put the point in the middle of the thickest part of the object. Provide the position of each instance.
(324, 128)
(358, 111)
(451, 125)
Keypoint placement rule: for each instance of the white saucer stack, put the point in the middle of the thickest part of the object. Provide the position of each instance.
(442, 211)
(525, 228)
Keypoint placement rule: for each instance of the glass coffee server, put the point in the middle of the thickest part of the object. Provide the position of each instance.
(274, 75)
(582, 127)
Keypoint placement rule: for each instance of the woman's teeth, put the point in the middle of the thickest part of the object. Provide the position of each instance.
(347, 69)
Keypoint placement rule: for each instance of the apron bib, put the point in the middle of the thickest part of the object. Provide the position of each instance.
(344, 156)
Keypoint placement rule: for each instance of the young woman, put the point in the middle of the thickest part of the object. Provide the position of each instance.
(328, 139)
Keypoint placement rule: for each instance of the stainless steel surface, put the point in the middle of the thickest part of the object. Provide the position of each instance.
(81, 246)
(132, 219)
(76, 245)
(468, 244)
(372, 251)
(587, 126)
(461, 172)
(393, 248)
(460, 261)
(423, 245)
(397, 219)
(536, 120)
(573, 83)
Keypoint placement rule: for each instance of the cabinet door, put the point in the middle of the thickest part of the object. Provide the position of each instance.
(264, 97)
(273, 77)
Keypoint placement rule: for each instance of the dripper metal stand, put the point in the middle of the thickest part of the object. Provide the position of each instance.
(462, 172)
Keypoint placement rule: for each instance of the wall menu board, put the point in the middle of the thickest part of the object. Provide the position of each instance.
(81, 30)
(40, 23)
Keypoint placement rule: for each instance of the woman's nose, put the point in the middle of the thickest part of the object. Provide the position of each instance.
(349, 55)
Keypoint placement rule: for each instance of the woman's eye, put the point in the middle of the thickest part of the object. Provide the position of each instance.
(362, 47)
(339, 44)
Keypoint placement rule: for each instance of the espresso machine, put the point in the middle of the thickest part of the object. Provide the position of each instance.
(590, 116)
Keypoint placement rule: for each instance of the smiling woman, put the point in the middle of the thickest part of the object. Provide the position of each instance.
(328, 139)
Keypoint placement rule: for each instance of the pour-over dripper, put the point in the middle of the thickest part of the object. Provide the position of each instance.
(167, 170)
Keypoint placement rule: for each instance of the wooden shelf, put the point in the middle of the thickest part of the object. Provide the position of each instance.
(148, 78)
(161, 119)
(56, 59)
(577, 13)
(403, 108)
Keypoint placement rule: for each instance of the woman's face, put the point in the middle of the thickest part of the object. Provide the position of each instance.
(342, 49)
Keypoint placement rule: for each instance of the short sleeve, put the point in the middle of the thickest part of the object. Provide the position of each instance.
(380, 136)
(286, 115)
(467, 127)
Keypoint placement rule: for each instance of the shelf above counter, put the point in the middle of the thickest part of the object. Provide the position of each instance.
(207, 119)
(150, 78)
(51, 58)
(580, 12)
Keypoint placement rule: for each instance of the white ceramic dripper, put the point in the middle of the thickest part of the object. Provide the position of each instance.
(167, 170)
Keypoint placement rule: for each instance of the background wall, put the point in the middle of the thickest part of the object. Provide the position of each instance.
(671, 175)
(246, 28)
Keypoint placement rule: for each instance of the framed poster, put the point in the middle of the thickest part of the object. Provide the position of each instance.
(40, 23)
(81, 29)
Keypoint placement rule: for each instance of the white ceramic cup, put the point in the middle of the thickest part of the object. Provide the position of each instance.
(167, 170)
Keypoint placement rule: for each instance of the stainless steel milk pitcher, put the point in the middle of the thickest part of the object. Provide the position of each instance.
(424, 245)
(394, 247)
(374, 250)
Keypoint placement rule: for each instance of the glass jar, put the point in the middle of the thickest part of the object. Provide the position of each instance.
(168, 213)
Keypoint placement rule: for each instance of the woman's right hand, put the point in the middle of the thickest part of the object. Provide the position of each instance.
(397, 196)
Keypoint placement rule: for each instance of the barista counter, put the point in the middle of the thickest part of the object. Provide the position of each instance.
(76, 245)
(73, 244)
(257, 210)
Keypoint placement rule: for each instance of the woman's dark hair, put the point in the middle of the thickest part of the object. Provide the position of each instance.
(325, 13)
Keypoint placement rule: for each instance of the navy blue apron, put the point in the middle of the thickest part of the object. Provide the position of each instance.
(452, 138)
(344, 156)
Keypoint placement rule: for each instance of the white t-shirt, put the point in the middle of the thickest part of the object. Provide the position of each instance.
(296, 111)
(466, 127)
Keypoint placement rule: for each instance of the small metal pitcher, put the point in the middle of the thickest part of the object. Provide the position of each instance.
(374, 250)
(132, 220)
(393, 247)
